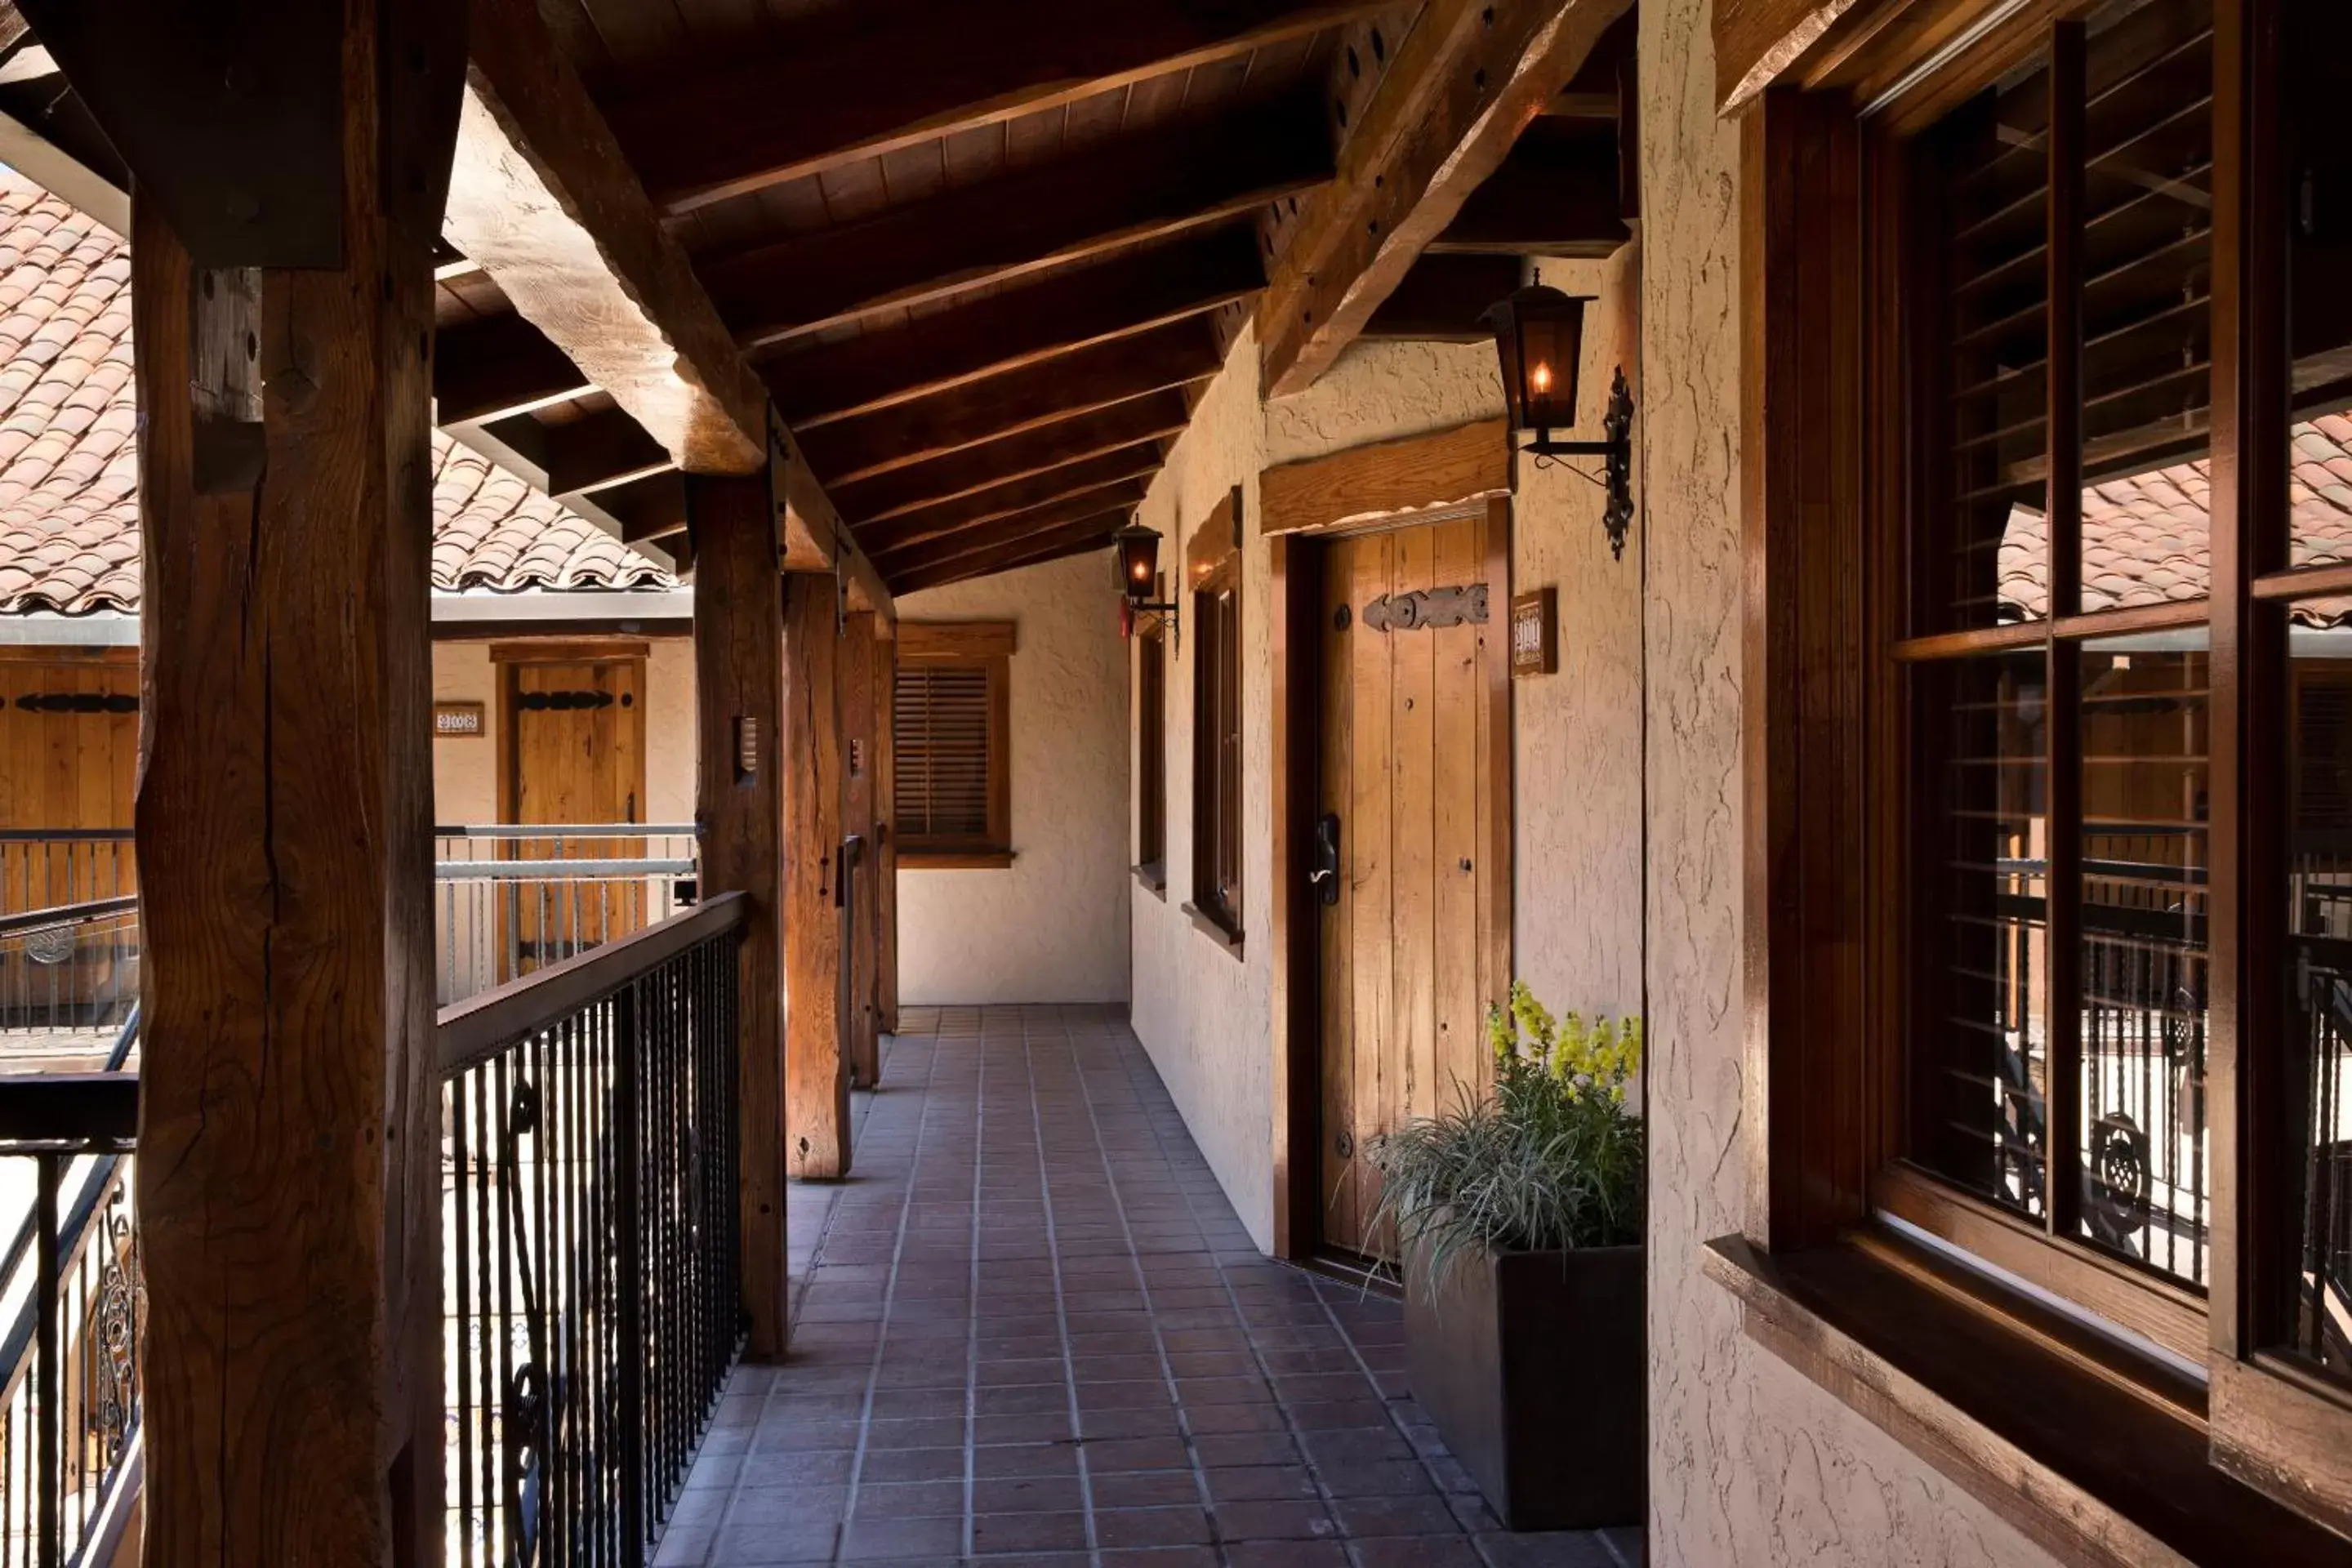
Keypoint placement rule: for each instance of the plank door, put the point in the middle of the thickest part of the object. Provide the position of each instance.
(575, 755)
(1407, 767)
(69, 763)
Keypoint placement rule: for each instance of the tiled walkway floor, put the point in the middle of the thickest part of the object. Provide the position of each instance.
(1034, 1331)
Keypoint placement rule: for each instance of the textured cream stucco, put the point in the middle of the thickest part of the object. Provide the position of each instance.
(1751, 1464)
(1052, 927)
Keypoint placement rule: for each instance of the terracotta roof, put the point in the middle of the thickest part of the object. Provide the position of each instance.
(2147, 539)
(68, 462)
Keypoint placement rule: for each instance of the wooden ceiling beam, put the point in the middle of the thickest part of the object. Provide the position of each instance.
(1556, 195)
(649, 508)
(921, 72)
(1159, 415)
(910, 433)
(545, 200)
(1118, 499)
(1442, 297)
(1062, 311)
(1461, 88)
(1077, 539)
(1140, 462)
(1149, 186)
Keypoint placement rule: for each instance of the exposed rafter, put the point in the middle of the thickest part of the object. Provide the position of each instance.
(952, 517)
(1148, 185)
(1443, 297)
(544, 201)
(924, 71)
(1104, 501)
(1464, 84)
(1062, 311)
(1077, 539)
(910, 433)
(1556, 193)
(1157, 416)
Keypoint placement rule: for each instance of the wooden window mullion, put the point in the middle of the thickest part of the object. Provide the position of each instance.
(2063, 727)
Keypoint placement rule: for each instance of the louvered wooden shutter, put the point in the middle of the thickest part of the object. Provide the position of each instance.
(2143, 231)
(942, 734)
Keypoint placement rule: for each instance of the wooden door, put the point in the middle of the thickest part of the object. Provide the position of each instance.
(1409, 768)
(68, 765)
(573, 745)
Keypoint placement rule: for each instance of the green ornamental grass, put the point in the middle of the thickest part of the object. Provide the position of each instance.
(1550, 1160)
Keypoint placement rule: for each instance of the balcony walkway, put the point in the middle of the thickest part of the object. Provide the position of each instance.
(1092, 1365)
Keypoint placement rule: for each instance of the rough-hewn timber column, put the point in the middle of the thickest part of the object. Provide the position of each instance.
(742, 763)
(856, 672)
(289, 1170)
(885, 814)
(816, 1100)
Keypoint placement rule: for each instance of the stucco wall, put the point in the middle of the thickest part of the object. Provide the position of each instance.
(1053, 926)
(1750, 1463)
(466, 772)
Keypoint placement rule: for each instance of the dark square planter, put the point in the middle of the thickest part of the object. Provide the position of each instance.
(1533, 1366)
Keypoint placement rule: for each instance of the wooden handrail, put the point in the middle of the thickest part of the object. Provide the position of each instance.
(67, 914)
(480, 1027)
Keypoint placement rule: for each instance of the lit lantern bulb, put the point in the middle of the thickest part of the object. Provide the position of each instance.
(1539, 378)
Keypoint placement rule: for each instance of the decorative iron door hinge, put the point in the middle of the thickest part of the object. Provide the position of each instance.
(1435, 608)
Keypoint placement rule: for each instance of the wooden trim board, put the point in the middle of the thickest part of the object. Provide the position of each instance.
(1387, 481)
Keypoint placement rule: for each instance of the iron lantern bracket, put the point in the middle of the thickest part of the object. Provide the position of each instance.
(1616, 452)
(1168, 611)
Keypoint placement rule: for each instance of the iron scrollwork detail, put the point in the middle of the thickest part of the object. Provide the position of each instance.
(1430, 608)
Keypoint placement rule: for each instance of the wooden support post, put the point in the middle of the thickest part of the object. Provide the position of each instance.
(816, 1061)
(289, 1169)
(886, 815)
(738, 689)
(856, 672)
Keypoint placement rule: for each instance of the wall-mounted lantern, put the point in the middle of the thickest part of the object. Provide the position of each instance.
(1539, 335)
(1135, 554)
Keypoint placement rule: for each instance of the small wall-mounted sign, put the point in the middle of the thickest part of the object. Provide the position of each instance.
(1535, 633)
(457, 720)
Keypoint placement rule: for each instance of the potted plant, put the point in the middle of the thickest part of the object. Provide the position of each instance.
(1518, 1218)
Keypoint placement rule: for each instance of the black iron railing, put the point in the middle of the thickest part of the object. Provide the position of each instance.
(590, 1279)
(41, 868)
(71, 1338)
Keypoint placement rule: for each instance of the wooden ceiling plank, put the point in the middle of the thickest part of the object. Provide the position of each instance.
(1142, 187)
(1159, 415)
(543, 198)
(909, 433)
(1120, 499)
(1136, 462)
(1078, 538)
(608, 447)
(815, 103)
(1019, 327)
(1442, 298)
(498, 366)
(1464, 83)
(1556, 195)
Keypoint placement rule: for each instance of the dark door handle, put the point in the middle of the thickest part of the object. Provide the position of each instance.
(1326, 875)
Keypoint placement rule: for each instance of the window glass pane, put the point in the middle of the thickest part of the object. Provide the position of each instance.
(1978, 1063)
(2146, 242)
(2317, 1083)
(1983, 196)
(2146, 1176)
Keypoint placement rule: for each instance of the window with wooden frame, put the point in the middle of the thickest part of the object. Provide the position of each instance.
(1214, 568)
(2048, 489)
(952, 743)
(1151, 754)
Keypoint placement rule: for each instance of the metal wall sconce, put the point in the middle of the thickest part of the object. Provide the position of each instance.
(1135, 555)
(1539, 336)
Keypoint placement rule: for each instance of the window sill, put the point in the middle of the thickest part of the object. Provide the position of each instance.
(954, 859)
(1152, 878)
(1215, 927)
(2021, 1406)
